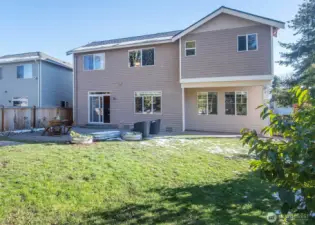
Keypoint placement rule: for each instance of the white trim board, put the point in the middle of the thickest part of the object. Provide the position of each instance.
(226, 84)
(226, 79)
(100, 48)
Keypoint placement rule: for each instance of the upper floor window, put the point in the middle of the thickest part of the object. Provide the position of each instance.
(236, 103)
(1, 76)
(141, 57)
(190, 48)
(148, 102)
(20, 101)
(248, 42)
(25, 71)
(94, 62)
(64, 104)
(207, 103)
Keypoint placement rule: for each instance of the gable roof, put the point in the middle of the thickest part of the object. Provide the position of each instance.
(31, 56)
(232, 12)
(172, 36)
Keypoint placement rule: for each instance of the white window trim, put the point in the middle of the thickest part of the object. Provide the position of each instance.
(207, 109)
(246, 35)
(195, 48)
(140, 49)
(142, 113)
(235, 108)
(23, 74)
(94, 62)
(18, 99)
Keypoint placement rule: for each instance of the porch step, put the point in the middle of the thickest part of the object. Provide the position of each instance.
(101, 126)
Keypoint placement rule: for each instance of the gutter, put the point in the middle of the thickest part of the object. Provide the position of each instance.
(117, 47)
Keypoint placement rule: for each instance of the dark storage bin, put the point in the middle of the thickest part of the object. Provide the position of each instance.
(142, 127)
(155, 126)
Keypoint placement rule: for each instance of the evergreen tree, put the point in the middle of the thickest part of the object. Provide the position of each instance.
(301, 55)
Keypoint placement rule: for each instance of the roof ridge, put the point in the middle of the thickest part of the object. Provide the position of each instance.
(17, 54)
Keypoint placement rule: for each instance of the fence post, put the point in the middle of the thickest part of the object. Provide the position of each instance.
(34, 116)
(2, 119)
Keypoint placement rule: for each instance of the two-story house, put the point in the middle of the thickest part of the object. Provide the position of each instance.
(207, 77)
(35, 79)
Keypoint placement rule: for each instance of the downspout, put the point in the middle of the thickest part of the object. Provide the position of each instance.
(39, 83)
(183, 89)
(73, 90)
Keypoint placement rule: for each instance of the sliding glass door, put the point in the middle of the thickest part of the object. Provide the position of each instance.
(96, 109)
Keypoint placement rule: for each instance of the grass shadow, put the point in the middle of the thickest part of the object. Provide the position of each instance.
(244, 200)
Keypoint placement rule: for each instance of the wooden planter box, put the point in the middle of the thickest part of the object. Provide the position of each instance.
(82, 140)
(132, 136)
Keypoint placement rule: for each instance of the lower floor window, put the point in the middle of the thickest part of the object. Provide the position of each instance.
(20, 101)
(236, 102)
(148, 102)
(207, 103)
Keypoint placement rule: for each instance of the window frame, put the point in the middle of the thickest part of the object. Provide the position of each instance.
(18, 99)
(66, 104)
(24, 78)
(94, 62)
(207, 107)
(141, 49)
(236, 92)
(195, 48)
(246, 35)
(235, 108)
(1, 73)
(143, 113)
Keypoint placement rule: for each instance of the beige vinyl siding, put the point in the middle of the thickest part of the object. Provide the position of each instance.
(216, 54)
(123, 81)
(222, 122)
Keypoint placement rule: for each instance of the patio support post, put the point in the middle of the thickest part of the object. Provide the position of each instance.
(183, 110)
(34, 116)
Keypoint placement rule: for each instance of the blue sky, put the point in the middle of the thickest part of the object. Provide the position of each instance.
(55, 27)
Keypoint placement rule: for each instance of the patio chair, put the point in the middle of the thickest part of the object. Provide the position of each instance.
(67, 126)
(52, 128)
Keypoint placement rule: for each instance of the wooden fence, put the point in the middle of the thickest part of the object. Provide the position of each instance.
(20, 118)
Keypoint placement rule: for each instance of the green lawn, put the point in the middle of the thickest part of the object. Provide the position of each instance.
(173, 181)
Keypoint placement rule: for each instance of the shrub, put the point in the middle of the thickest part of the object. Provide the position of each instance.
(288, 163)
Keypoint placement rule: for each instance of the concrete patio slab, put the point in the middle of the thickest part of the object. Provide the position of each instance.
(36, 136)
(9, 143)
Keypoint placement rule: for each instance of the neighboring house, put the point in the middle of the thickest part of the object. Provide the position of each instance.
(35, 79)
(207, 77)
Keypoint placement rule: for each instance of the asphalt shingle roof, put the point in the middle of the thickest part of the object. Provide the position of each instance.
(151, 38)
(21, 55)
(27, 56)
(135, 38)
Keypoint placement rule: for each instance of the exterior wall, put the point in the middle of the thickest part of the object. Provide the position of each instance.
(11, 87)
(224, 21)
(222, 122)
(56, 85)
(123, 81)
(216, 53)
